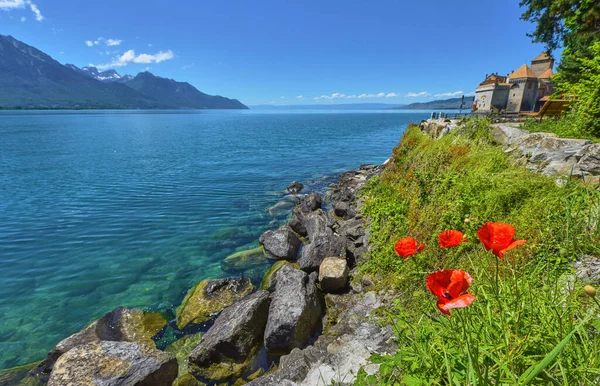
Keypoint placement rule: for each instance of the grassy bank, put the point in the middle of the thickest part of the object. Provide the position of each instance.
(531, 322)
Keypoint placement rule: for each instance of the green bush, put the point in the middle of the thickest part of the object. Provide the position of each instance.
(522, 312)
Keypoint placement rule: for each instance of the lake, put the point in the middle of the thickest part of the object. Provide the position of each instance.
(100, 209)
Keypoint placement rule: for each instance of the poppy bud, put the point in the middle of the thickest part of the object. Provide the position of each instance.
(590, 291)
(467, 221)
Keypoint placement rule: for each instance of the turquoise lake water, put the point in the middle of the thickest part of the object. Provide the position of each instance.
(100, 209)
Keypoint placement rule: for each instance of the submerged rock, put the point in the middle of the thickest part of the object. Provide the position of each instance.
(20, 376)
(243, 260)
(282, 244)
(230, 346)
(111, 363)
(121, 325)
(209, 297)
(333, 274)
(182, 349)
(294, 312)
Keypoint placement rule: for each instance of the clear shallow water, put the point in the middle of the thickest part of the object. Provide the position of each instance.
(108, 208)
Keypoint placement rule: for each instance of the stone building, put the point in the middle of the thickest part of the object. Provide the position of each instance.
(523, 90)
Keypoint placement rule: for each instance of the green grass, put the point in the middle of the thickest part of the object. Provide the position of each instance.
(527, 305)
(565, 126)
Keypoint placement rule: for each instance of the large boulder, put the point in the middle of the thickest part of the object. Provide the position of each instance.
(241, 261)
(505, 134)
(121, 325)
(269, 279)
(294, 312)
(320, 247)
(333, 274)
(282, 244)
(111, 363)
(310, 202)
(589, 160)
(230, 346)
(210, 297)
(549, 155)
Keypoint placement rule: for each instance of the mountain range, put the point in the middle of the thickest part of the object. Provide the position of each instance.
(30, 78)
(446, 104)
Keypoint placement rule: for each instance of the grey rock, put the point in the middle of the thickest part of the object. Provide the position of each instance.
(587, 269)
(315, 224)
(549, 155)
(310, 202)
(110, 363)
(589, 160)
(341, 208)
(297, 222)
(504, 134)
(333, 274)
(295, 310)
(295, 187)
(122, 325)
(282, 244)
(230, 346)
(320, 247)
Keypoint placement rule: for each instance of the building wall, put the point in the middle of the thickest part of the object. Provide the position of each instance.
(522, 95)
(539, 67)
(483, 99)
(515, 97)
(500, 97)
(529, 95)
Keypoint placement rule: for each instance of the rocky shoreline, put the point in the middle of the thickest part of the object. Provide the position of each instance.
(306, 325)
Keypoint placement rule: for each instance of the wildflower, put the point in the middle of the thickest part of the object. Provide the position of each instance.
(407, 246)
(467, 220)
(589, 291)
(498, 237)
(451, 238)
(450, 286)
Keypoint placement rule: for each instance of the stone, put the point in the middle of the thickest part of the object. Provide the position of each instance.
(281, 208)
(587, 269)
(241, 261)
(295, 187)
(310, 202)
(111, 363)
(320, 247)
(297, 222)
(282, 244)
(20, 376)
(341, 208)
(181, 350)
(187, 379)
(122, 325)
(209, 297)
(333, 274)
(295, 310)
(504, 134)
(589, 160)
(231, 345)
(268, 281)
(545, 153)
(315, 224)
(342, 352)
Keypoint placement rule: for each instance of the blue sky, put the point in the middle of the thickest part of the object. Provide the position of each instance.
(286, 52)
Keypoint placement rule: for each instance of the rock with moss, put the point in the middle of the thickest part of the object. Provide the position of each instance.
(268, 281)
(20, 376)
(111, 363)
(209, 297)
(182, 349)
(187, 379)
(243, 260)
(122, 325)
(231, 345)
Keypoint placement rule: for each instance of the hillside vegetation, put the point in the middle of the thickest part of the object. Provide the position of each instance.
(531, 322)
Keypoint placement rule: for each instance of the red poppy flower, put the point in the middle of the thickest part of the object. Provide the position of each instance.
(407, 246)
(498, 237)
(450, 286)
(451, 238)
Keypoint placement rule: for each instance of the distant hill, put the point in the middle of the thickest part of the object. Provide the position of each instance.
(107, 76)
(31, 79)
(347, 106)
(446, 104)
(181, 94)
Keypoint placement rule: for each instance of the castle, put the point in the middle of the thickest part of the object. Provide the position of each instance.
(525, 89)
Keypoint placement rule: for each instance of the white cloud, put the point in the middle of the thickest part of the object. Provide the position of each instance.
(364, 96)
(300, 97)
(23, 19)
(9, 5)
(392, 95)
(113, 42)
(187, 66)
(450, 94)
(89, 43)
(281, 97)
(149, 45)
(131, 57)
(418, 94)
